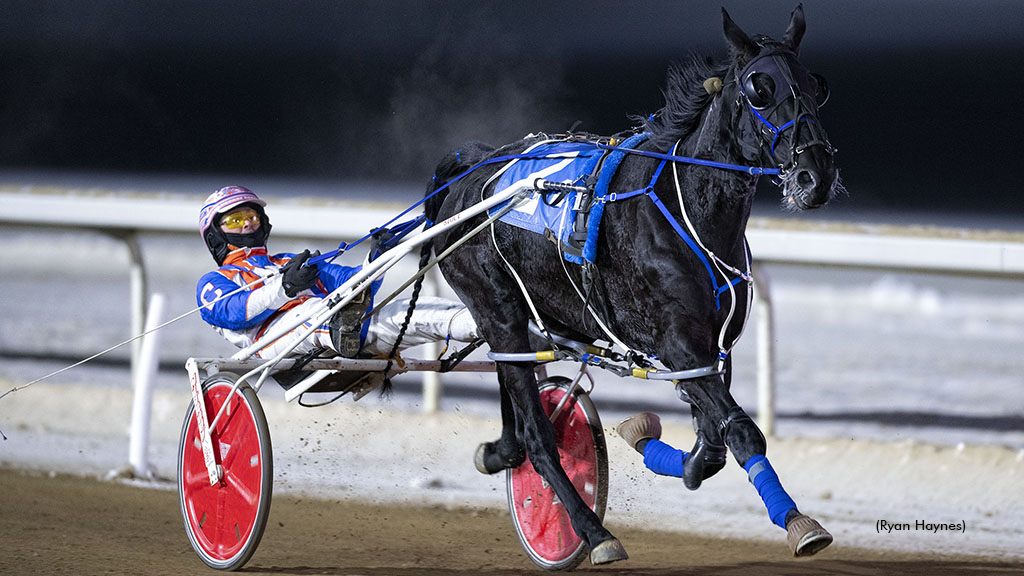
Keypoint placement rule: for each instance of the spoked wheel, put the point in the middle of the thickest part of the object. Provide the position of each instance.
(540, 519)
(225, 521)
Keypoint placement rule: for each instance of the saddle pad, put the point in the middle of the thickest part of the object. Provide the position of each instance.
(565, 162)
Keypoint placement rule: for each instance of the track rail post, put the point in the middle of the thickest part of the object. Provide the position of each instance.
(431, 380)
(138, 290)
(144, 378)
(765, 351)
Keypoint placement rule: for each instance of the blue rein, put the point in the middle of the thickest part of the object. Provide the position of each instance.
(601, 197)
(409, 226)
(752, 170)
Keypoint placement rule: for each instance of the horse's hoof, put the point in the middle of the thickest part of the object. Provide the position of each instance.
(608, 551)
(642, 426)
(480, 458)
(806, 537)
(488, 459)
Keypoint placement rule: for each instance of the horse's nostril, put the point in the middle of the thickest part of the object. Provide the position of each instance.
(805, 179)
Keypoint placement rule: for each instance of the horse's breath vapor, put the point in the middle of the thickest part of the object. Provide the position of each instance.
(453, 94)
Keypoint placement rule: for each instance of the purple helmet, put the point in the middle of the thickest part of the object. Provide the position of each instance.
(222, 201)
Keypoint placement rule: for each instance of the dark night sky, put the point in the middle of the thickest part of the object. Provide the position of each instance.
(926, 107)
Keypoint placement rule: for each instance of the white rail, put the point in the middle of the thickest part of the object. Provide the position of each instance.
(913, 248)
(947, 251)
(127, 215)
(957, 252)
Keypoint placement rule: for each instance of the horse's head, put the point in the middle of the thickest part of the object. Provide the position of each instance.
(780, 97)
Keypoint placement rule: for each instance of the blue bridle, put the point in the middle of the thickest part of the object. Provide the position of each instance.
(777, 66)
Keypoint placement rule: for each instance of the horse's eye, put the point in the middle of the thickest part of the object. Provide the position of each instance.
(760, 90)
(822, 93)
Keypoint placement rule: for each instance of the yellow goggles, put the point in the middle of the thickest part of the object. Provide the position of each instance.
(237, 220)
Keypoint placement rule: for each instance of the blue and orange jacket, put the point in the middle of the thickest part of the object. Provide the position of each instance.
(242, 318)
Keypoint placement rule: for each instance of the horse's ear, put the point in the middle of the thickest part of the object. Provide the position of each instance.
(743, 48)
(795, 32)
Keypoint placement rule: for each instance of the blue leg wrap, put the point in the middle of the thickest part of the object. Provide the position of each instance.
(663, 459)
(769, 488)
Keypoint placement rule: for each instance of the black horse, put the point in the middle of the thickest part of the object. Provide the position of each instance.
(683, 301)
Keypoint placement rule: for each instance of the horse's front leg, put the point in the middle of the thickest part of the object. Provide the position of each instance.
(507, 451)
(539, 436)
(708, 454)
(643, 432)
(747, 444)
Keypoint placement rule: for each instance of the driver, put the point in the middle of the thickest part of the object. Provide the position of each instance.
(235, 227)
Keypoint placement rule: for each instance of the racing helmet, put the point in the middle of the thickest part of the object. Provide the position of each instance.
(224, 200)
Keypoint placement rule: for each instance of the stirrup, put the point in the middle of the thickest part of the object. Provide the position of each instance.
(368, 383)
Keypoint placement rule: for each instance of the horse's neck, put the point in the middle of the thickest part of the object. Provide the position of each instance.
(717, 201)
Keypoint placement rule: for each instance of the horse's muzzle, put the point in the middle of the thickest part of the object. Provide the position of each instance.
(811, 180)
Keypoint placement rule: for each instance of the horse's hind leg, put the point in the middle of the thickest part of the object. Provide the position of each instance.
(501, 315)
(507, 451)
(541, 447)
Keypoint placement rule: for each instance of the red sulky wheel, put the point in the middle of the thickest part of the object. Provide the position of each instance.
(225, 521)
(540, 519)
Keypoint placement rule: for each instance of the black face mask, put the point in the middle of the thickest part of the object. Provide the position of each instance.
(252, 240)
(217, 240)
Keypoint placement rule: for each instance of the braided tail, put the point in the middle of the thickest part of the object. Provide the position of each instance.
(456, 162)
(425, 252)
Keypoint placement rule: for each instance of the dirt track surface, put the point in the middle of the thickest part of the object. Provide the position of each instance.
(71, 525)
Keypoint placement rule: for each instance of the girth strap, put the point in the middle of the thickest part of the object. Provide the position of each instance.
(608, 170)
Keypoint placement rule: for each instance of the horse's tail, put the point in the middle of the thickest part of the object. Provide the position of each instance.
(454, 164)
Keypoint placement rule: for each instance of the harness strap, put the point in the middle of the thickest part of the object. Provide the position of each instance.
(690, 242)
(608, 170)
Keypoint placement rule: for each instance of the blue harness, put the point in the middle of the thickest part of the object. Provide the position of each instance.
(563, 162)
(574, 163)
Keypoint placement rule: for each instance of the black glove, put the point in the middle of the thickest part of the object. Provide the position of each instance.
(298, 277)
(379, 242)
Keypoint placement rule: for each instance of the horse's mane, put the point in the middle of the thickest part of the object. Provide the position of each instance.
(685, 100)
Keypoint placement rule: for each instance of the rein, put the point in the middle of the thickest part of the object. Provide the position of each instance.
(752, 170)
(412, 224)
